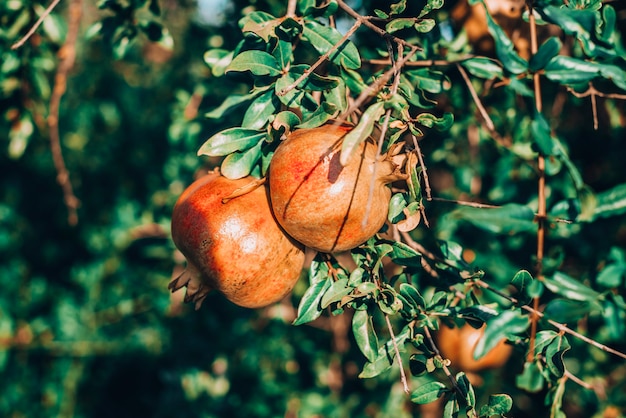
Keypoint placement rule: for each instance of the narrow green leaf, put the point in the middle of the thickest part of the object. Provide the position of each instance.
(397, 203)
(548, 50)
(483, 67)
(364, 334)
(541, 133)
(218, 60)
(424, 25)
(522, 279)
(612, 276)
(502, 220)
(554, 353)
(259, 111)
(310, 308)
(283, 53)
(239, 164)
(404, 255)
(466, 388)
(324, 38)
(322, 114)
(230, 104)
(498, 328)
(412, 295)
(611, 202)
(257, 62)
(566, 310)
(531, 378)
(505, 50)
(568, 287)
(353, 139)
(336, 292)
(399, 24)
(230, 140)
(428, 393)
(499, 404)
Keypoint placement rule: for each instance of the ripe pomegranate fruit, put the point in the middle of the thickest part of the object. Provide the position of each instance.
(321, 203)
(236, 248)
(458, 344)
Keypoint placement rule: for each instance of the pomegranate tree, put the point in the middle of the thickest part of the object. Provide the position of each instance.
(232, 244)
(320, 202)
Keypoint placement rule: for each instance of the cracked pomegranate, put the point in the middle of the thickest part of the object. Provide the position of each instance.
(321, 203)
(236, 248)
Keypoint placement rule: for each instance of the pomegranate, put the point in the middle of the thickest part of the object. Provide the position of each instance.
(236, 248)
(321, 203)
(458, 344)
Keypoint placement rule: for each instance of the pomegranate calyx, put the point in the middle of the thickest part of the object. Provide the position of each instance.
(196, 291)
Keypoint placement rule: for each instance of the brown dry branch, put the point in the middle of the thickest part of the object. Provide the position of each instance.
(541, 198)
(320, 60)
(561, 327)
(67, 56)
(483, 112)
(396, 349)
(594, 94)
(38, 23)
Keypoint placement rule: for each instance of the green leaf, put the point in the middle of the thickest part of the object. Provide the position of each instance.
(570, 288)
(353, 139)
(310, 308)
(431, 121)
(336, 292)
(483, 67)
(230, 104)
(612, 276)
(569, 70)
(566, 310)
(257, 62)
(397, 203)
(404, 255)
(424, 25)
(259, 111)
(260, 23)
(430, 6)
(522, 279)
(554, 355)
(399, 24)
(531, 379)
(467, 390)
(321, 115)
(218, 60)
(505, 50)
(386, 355)
(239, 164)
(230, 140)
(499, 404)
(324, 38)
(364, 334)
(548, 50)
(283, 53)
(541, 134)
(502, 220)
(428, 393)
(611, 202)
(412, 295)
(500, 327)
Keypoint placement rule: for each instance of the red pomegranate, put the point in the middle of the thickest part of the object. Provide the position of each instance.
(321, 203)
(236, 248)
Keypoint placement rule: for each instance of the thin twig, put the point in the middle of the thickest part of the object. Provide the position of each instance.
(366, 20)
(320, 60)
(481, 108)
(405, 382)
(420, 158)
(557, 325)
(38, 23)
(67, 55)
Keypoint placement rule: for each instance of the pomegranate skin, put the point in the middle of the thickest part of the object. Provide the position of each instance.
(321, 203)
(236, 248)
(458, 344)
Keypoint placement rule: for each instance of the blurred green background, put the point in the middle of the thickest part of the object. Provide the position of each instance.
(87, 326)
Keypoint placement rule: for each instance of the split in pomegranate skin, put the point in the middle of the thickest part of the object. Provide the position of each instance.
(321, 203)
(236, 248)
